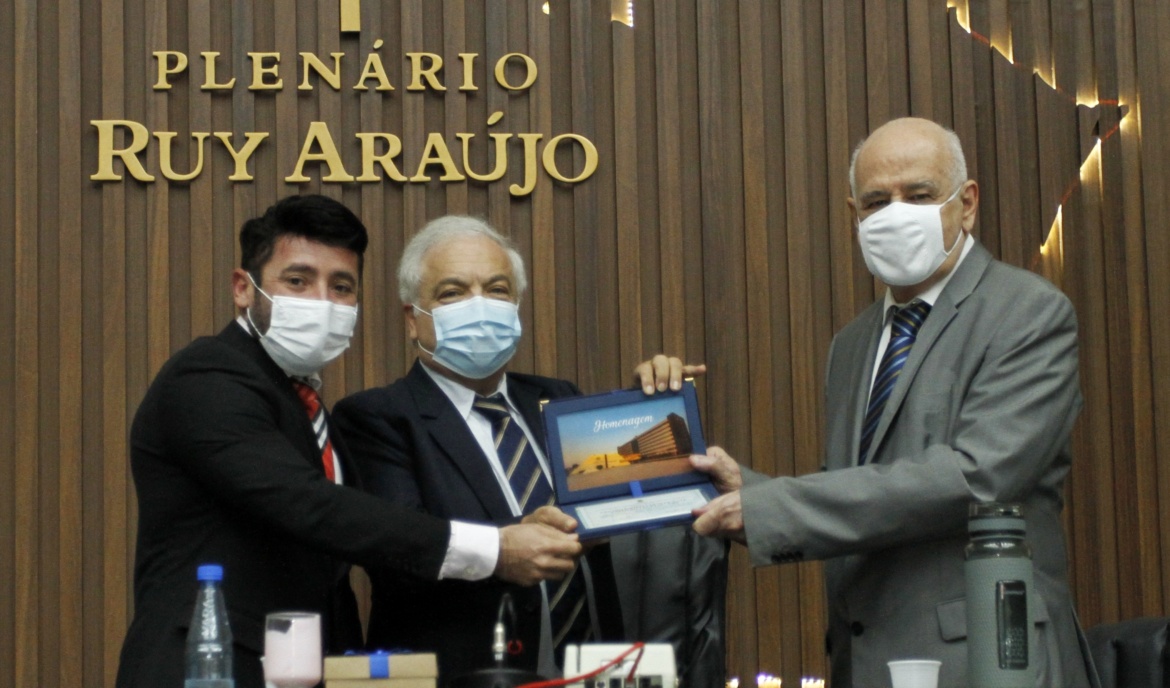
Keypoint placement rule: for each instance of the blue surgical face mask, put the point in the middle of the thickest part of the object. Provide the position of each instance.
(474, 337)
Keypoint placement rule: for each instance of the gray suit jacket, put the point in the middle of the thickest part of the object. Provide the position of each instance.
(983, 411)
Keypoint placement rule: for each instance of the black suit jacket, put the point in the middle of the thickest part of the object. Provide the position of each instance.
(412, 447)
(228, 471)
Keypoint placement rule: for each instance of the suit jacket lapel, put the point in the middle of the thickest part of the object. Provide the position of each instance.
(450, 432)
(941, 314)
(237, 337)
(861, 361)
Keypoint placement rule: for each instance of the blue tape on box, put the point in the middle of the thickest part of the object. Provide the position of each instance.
(380, 664)
(391, 664)
(636, 488)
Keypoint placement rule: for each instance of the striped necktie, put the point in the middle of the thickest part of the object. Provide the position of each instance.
(570, 620)
(316, 411)
(529, 484)
(903, 332)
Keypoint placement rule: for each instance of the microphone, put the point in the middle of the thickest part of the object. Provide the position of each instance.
(498, 676)
(499, 632)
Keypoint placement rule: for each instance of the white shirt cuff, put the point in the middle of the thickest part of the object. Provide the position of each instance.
(472, 551)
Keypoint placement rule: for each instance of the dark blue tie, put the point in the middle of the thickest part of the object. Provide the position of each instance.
(570, 621)
(903, 332)
(516, 456)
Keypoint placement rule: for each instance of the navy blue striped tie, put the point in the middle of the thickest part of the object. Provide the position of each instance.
(567, 601)
(529, 484)
(903, 332)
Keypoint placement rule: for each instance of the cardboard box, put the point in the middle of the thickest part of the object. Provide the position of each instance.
(382, 666)
(382, 683)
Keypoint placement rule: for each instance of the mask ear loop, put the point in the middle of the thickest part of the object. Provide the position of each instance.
(248, 310)
(417, 343)
(961, 232)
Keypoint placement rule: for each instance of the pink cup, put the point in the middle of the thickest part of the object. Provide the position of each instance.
(292, 649)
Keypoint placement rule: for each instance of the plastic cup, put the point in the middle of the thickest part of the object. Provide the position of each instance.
(914, 673)
(292, 649)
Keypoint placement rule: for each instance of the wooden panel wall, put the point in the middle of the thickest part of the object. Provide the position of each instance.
(714, 228)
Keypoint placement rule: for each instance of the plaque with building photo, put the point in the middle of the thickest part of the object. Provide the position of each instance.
(620, 460)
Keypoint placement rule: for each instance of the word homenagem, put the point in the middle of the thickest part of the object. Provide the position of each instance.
(634, 422)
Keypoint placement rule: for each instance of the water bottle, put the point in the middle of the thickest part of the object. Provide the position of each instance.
(999, 581)
(209, 640)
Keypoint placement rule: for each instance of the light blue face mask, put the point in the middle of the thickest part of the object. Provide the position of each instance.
(474, 337)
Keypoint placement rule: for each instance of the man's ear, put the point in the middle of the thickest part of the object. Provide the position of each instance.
(411, 326)
(853, 211)
(970, 196)
(242, 292)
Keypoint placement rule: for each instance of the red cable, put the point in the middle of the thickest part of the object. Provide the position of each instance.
(637, 661)
(552, 683)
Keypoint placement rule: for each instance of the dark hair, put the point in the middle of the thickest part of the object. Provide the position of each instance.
(312, 216)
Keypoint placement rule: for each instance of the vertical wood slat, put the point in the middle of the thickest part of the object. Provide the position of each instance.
(542, 269)
(518, 216)
(94, 650)
(113, 344)
(647, 175)
(8, 484)
(626, 182)
(752, 22)
(71, 620)
(1148, 526)
(668, 105)
(1117, 318)
(378, 274)
(49, 512)
(1008, 175)
(25, 324)
(720, 130)
(564, 100)
(780, 625)
(590, 304)
(1151, 20)
(838, 152)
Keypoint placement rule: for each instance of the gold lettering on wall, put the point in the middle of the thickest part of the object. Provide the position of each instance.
(351, 16)
(130, 142)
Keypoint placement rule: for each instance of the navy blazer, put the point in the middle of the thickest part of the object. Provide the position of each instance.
(413, 448)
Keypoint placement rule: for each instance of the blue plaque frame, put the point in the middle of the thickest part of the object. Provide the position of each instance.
(622, 413)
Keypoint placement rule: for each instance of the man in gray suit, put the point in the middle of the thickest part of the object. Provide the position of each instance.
(959, 386)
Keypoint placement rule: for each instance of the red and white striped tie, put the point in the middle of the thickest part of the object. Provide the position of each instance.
(316, 412)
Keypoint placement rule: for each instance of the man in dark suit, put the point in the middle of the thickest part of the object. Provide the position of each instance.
(960, 386)
(427, 442)
(231, 468)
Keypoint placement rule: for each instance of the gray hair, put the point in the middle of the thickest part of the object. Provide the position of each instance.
(440, 231)
(958, 169)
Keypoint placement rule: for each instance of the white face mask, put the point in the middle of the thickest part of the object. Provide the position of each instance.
(475, 337)
(305, 335)
(903, 242)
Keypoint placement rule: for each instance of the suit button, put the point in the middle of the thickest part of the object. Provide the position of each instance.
(856, 628)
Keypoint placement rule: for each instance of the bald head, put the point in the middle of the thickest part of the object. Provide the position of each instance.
(909, 138)
(912, 162)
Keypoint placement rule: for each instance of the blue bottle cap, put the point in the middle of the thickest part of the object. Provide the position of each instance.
(210, 572)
